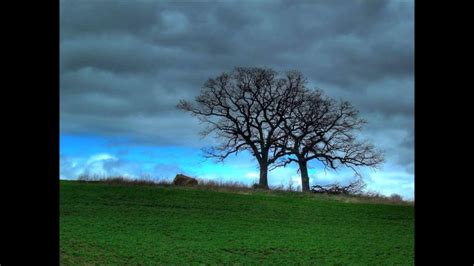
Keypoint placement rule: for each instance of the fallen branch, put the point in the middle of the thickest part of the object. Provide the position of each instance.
(353, 188)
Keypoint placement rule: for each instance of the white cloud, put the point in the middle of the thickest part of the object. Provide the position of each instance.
(392, 182)
(252, 175)
(102, 164)
(100, 157)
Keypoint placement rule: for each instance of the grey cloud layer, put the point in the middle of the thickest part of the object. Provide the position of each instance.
(125, 64)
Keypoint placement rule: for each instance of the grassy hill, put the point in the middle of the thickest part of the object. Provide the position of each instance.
(149, 225)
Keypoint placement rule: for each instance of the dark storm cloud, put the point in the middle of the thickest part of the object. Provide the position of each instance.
(89, 17)
(125, 64)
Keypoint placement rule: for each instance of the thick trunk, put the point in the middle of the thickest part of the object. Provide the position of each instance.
(263, 175)
(304, 175)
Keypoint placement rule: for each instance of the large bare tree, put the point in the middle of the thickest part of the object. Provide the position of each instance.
(320, 128)
(245, 109)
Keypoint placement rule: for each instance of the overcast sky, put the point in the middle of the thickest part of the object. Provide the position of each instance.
(124, 65)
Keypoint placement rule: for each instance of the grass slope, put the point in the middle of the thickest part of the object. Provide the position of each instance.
(120, 224)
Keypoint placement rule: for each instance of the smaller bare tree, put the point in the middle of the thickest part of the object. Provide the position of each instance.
(323, 129)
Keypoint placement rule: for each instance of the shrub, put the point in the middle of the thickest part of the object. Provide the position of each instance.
(395, 197)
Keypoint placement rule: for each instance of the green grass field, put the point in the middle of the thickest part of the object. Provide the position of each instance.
(149, 225)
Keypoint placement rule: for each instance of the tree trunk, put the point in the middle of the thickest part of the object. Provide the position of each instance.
(304, 175)
(263, 183)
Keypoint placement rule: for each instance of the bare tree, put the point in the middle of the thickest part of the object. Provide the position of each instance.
(245, 109)
(323, 129)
